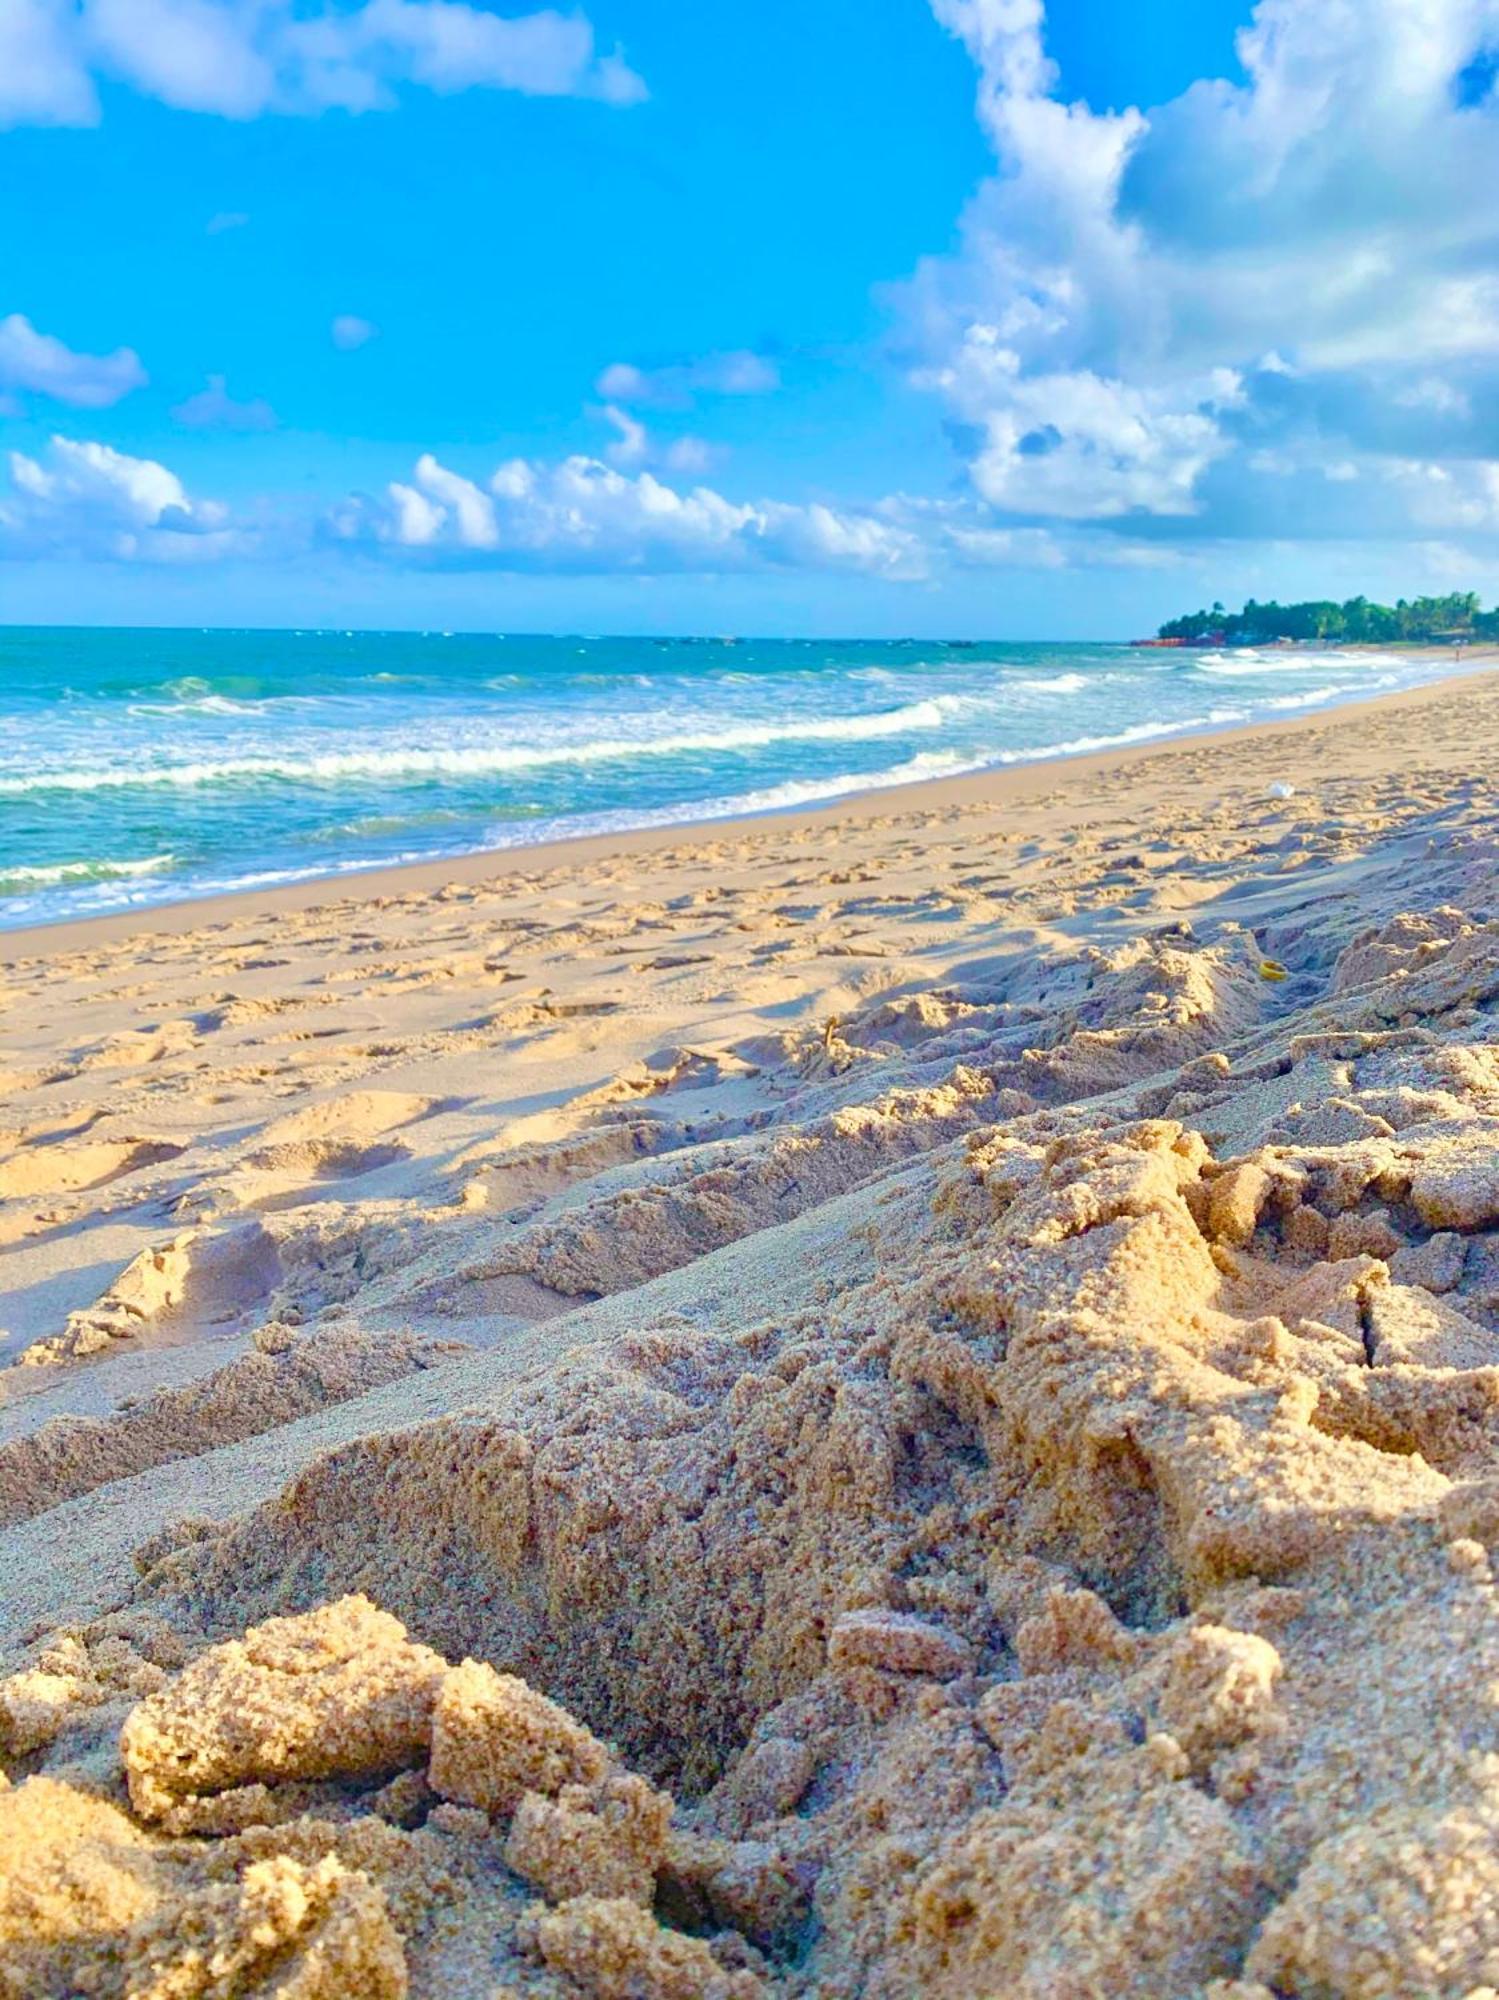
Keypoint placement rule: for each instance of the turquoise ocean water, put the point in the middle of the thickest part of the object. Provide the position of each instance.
(140, 767)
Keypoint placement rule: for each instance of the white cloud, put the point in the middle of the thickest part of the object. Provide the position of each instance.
(40, 364)
(635, 445)
(227, 218)
(631, 443)
(1446, 497)
(582, 514)
(1004, 548)
(678, 383)
(688, 454)
(1078, 444)
(1147, 312)
(1432, 393)
(349, 331)
(444, 508)
(242, 58)
(622, 379)
(449, 47)
(44, 79)
(214, 409)
(956, 534)
(87, 500)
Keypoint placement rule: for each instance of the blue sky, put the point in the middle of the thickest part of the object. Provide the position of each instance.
(886, 316)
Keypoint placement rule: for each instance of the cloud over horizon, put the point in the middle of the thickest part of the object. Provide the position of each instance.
(87, 500)
(582, 514)
(1268, 300)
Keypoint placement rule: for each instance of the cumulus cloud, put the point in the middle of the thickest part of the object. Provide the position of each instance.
(679, 383)
(1078, 444)
(40, 364)
(583, 514)
(243, 58)
(214, 409)
(349, 331)
(579, 515)
(1153, 313)
(88, 500)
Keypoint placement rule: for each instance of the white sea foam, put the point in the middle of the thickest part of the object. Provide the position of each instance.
(1054, 684)
(481, 759)
(927, 767)
(1314, 696)
(1080, 746)
(49, 876)
(213, 704)
(225, 704)
(1249, 664)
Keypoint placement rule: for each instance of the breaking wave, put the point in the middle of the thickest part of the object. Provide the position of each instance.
(481, 759)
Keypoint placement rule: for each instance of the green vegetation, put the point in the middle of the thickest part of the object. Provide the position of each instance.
(1358, 622)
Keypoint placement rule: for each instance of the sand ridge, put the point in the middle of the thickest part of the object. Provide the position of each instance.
(792, 1415)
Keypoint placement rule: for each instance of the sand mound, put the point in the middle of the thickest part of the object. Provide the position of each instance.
(284, 1378)
(622, 1239)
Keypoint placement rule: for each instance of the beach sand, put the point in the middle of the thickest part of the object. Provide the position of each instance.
(937, 1359)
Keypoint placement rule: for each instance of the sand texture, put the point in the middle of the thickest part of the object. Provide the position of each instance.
(904, 1402)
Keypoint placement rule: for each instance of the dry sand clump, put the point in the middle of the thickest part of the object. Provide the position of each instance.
(1013, 1513)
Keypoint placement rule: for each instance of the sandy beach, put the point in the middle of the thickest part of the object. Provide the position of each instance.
(893, 1399)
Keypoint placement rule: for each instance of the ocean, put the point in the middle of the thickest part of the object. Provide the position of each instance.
(141, 767)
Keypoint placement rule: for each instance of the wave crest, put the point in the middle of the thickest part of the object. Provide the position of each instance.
(52, 875)
(479, 760)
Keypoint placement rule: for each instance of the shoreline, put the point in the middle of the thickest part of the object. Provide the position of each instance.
(997, 786)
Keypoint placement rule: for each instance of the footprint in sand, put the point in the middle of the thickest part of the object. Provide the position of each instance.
(338, 1140)
(40, 1169)
(194, 1285)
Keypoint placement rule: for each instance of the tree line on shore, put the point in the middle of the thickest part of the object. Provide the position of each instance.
(1356, 622)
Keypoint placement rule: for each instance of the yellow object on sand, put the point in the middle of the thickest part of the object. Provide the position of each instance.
(1271, 968)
